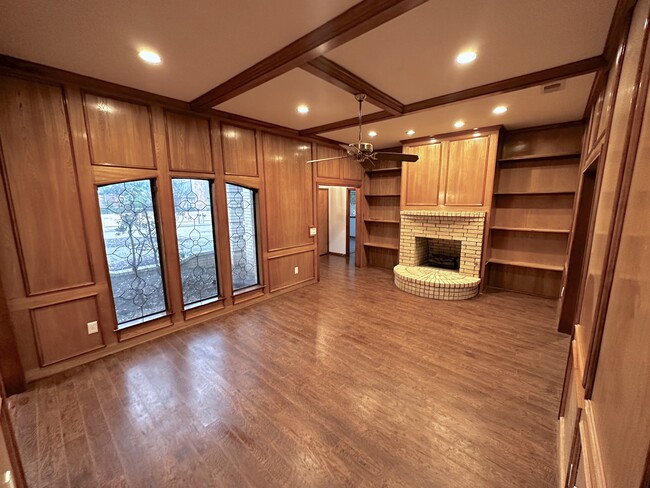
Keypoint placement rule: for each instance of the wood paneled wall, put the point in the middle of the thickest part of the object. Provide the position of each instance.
(611, 337)
(59, 141)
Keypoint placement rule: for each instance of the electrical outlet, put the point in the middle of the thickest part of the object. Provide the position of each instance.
(92, 327)
(295, 270)
(312, 231)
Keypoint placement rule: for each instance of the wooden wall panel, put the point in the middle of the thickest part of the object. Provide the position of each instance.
(613, 164)
(621, 392)
(282, 270)
(61, 331)
(119, 133)
(188, 143)
(351, 169)
(328, 169)
(289, 192)
(239, 151)
(466, 171)
(421, 180)
(40, 176)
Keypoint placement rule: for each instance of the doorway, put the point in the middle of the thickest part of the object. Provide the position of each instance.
(337, 221)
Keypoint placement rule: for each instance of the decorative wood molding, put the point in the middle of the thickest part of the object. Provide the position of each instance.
(618, 27)
(357, 20)
(338, 76)
(570, 70)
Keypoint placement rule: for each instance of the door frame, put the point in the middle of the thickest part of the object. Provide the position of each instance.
(327, 220)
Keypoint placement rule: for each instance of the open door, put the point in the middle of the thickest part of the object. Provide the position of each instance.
(323, 221)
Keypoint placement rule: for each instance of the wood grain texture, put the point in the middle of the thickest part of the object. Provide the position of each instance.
(467, 172)
(289, 200)
(119, 133)
(239, 151)
(421, 180)
(61, 331)
(328, 169)
(38, 169)
(351, 170)
(188, 143)
(539, 176)
(543, 141)
(323, 221)
(386, 389)
(282, 270)
(532, 281)
(534, 211)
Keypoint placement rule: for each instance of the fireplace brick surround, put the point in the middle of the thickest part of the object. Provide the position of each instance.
(410, 274)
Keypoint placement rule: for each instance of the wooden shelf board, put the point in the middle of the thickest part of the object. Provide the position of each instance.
(382, 221)
(384, 170)
(382, 195)
(524, 193)
(534, 157)
(532, 229)
(381, 246)
(525, 264)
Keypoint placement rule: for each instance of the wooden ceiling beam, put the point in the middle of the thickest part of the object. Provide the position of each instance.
(570, 70)
(357, 20)
(338, 76)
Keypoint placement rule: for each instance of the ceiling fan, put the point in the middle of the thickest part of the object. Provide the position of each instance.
(363, 152)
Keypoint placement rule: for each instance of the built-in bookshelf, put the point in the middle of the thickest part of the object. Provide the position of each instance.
(381, 218)
(534, 194)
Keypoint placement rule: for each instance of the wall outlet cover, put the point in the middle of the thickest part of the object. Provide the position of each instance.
(295, 270)
(92, 327)
(312, 231)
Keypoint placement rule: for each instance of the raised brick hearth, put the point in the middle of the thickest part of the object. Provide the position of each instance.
(423, 230)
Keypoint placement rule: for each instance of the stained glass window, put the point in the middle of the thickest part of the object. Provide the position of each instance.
(195, 234)
(243, 236)
(132, 250)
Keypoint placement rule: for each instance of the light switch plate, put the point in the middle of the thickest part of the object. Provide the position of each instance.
(92, 327)
(295, 270)
(312, 231)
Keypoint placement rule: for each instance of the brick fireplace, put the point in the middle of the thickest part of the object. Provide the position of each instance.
(440, 253)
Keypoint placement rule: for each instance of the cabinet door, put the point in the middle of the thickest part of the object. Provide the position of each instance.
(422, 178)
(467, 171)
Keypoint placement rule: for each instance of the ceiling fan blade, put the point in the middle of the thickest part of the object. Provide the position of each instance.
(327, 159)
(390, 156)
(351, 149)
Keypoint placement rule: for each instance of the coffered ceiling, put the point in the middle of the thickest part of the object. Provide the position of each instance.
(405, 49)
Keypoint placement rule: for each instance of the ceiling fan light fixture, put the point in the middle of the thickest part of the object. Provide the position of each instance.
(466, 57)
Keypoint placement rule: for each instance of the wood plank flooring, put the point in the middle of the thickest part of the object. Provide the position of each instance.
(349, 382)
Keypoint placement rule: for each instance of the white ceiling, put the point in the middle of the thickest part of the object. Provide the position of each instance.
(276, 101)
(526, 108)
(202, 42)
(413, 56)
(205, 42)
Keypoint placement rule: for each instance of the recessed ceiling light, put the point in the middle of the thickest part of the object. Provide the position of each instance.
(476, 134)
(458, 124)
(372, 133)
(501, 109)
(433, 140)
(303, 109)
(466, 57)
(149, 57)
(410, 132)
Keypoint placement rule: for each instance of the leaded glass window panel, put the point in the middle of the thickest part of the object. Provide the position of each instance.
(195, 233)
(132, 251)
(243, 236)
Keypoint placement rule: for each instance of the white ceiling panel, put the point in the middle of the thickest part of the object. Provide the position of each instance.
(526, 108)
(276, 101)
(412, 57)
(202, 42)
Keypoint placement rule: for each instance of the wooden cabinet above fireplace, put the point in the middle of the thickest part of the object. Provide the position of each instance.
(454, 172)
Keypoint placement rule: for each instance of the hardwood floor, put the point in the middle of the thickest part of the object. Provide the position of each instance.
(350, 382)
